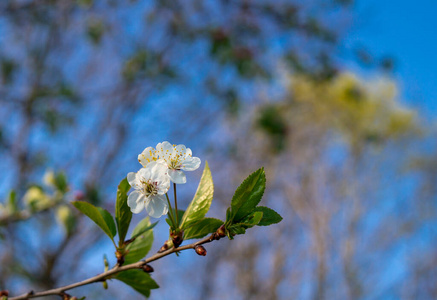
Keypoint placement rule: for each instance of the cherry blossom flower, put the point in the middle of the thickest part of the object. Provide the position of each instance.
(147, 156)
(177, 158)
(151, 183)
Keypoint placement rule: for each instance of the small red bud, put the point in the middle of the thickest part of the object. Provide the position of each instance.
(200, 250)
(79, 195)
(147, 269)
(221, 232)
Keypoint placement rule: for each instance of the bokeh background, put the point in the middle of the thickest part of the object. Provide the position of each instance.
(335, 98)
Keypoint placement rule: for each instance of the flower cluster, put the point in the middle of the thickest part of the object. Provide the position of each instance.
(151, 183)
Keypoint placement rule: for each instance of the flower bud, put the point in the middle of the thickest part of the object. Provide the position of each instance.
(177, 238)
(167, 245)
(105, 285)
(147, 269)
(221, 232)
(200, 250)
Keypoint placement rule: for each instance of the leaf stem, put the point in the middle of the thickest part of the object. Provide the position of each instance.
(170, 210)
(176, 205)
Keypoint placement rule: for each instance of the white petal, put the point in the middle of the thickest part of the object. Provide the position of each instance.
(177, 176)
(156, 206)
(158, 171)
(136, 202)
(191, 164)
(144, 174)
(165, 150)
(179, 151)
(188, 153)
(147, 156)
(132, 179)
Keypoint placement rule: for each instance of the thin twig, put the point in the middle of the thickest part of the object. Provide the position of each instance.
(107, 275)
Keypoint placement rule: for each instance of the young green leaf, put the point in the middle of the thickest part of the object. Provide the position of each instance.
(248, 222)
(95, 214)
(252, 219)
(248, 195)
(138, 280)
(123, 214)
(202, 228)
(142, 243)
(269, 216)
(201, 202)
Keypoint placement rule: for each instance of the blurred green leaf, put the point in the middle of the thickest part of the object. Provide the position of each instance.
(142, 244)
(95, 31)
(201, 228)
(123, 214)
(247, 196)
(12, 206)
(138, 280)
(201, 202)
(8, 68)
(269, 216)
(61, 182)
(99, 216)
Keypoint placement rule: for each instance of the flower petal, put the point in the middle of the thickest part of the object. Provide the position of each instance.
(191, 164)
(156, 206)
(158, 171)
(132, 179)
(144, 174)
(165, 150)
(177, 176)
(147, 156)
(135, 201)
(179, 152)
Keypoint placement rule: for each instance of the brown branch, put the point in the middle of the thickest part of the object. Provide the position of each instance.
(107, 275)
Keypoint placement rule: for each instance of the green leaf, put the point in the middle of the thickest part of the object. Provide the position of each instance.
(201, 202)
(138, 280)
(202, 228)
(100, 216)
(248, 195)
(269, 216)
(139, 248)
(253, 219)
(135, 233)
(61, 182)
(109, 220)
(248, 222)
(123, 214)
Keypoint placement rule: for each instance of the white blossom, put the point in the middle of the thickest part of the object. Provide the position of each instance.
(177, 158)
(151, 183)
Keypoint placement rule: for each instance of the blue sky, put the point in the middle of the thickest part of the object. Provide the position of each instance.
(407, 31)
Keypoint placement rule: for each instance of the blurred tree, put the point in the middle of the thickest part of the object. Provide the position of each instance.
(87, 84)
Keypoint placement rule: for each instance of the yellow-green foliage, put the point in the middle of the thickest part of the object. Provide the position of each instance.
(362, 110)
